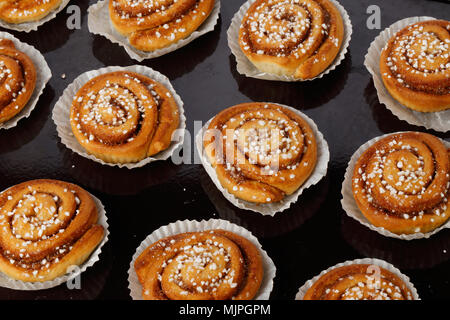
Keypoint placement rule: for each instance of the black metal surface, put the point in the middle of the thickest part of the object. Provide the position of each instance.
(311, 236)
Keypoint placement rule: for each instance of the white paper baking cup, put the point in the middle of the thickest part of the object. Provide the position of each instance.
(61, 115)
(10, 283)
(99, 23)
(424, 254)
(196, 226)
(439, 121)
(33, 26)
(269, 209)
(246, 67)
(43, 75)
(376, 262)
(351, 208)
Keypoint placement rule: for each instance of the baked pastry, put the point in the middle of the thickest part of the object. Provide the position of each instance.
(152, 25)
(20, 11)
(209, 265)
(401, 183)
(415, 67)
(296, 38)
(46, 226)
(359, 282)
(124, 117)
(17, 80)
(261, 152)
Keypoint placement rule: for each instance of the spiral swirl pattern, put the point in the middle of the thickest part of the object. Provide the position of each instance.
(415, 66)
(20, 11)
(155, 24)
(123, 117)
(359, 282)
(17, 80)
(261, 152)
(45, 227)
(209, 265)
(402, 183)
(298, 38)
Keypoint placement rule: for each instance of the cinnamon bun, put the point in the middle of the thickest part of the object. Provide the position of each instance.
(208, 265)
(17, 80)
(415, 66)
(401, 183)
(261, 152)
(46, 226)
(297, 38)
(359, 282)
(124, 117)
(152, 25)
(20, 11)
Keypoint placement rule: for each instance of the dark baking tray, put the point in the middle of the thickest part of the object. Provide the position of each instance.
(308, 238)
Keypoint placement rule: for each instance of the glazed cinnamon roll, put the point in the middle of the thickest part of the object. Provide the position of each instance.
(20, 11)
(124, 117)
(359, 282)
(297, 38)
(261, 152)
(401, 183)
(415, 66)
(17, 80)
(209, 265)
(46, 226)
(151, 25)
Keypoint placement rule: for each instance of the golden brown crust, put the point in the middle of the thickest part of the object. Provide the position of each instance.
(415, 66)
(154, 25)
(261, 152)
(46, 227)
(359, 282)
(20, 11)
(124, 117)
(402, 182)
(293, 38)
(17, 80)
(208, 265)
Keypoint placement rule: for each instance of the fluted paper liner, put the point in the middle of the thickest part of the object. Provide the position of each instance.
(195, 226)
(99, 23)
(10, 283)
(439, 121)
(33, 26)
(269, 209)
(43, 75)
(376, 262)
(351, 208)
(61, 115)
(246, 67)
